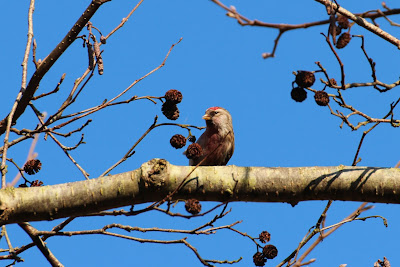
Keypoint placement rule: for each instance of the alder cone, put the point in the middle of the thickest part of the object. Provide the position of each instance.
(298, 94)
(32, 166)
(170, 110)
(270, 251)
(343, 40)
(193, 206)
(305, 78)
(178, 141)
(173, 96)
(259, 259)
(343, 22)
(193, 151)
(264, 236)
(321, 98)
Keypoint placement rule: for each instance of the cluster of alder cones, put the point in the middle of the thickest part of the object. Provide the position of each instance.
(342, 23)
(268, 252)
(170, 110)
(306, 79)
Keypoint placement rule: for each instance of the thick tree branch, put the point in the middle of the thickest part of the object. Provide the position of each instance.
(156, 178)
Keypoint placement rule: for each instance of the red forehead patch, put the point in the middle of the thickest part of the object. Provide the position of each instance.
(214, 108)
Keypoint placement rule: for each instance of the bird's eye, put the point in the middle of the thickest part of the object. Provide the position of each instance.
(216, 112)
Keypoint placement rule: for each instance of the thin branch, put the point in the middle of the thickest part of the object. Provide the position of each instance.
(73, 131)
(316, 230)
(338, 59)
(65, 149)
(104, 231)
(107, 103)
(357, 17)
(32, 232)
(124, 20)
(25, 96)
(51, 92)
(356, 159)
(131, 150)
(5, 234)
(322, 236)
(383, 15)
(362, 22)
(8, 121)
(167, 212)
(34, 54)
(70, 98)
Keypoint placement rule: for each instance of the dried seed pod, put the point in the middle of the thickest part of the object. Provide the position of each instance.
(259, 259)
(170, 110)
(173, 96)
(32, 166)
(321, 98)
(193, 151)
(178, 141)
(264, 237)
(36, 183)
(91, 55)
(343, 22)
(270, 251)
(343, 40)
(193, 206)
(97, 52)
(192, 139)
(305, 78)
(298, 94)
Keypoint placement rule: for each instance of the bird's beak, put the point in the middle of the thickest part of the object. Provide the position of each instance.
(206, 117)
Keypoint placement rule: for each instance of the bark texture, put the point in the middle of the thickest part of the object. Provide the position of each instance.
(156, 178)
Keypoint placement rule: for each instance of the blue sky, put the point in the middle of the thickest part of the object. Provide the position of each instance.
(218, 63)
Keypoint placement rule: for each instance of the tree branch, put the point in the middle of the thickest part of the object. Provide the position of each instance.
(362, 22)
(48, 62)
(156, 178)
(32, 232)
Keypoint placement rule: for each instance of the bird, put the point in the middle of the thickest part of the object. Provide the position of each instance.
(218, 140)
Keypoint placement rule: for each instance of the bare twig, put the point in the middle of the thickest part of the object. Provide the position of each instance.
(32, 232)
(131, 150)
(7, 122)
(356, 159)
(106, 103)
(65, 149)
(34, 54)
(104, 231)
(51, 92)
(124, 20)
(323, 235)
(359, 18)
(26, 95)
(31, 155)
(5, 234)
(362, 23)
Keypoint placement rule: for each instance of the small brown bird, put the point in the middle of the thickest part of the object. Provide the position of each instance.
(218, 141)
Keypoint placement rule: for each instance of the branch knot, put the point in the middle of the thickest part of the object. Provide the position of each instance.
(154, 173)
